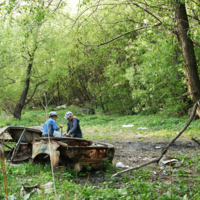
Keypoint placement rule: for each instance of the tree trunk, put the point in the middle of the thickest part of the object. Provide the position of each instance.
(18, 111)
(191, 71)
(22, 101)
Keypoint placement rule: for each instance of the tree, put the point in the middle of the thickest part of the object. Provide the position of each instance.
(155, 16)
(28, 17)
(124, 56)
(191, 70)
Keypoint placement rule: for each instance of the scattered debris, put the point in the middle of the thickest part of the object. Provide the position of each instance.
(171, 162)
(128, 126)
(26, 191)
(121, 165)
(165, 173)
(88, 111)
(158, 147)
(48, 187)
(145, 158)
(11, 197)
(142, 128)
(62, 107)
(188, 171)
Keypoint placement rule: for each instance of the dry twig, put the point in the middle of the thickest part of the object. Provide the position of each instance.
(195, 140)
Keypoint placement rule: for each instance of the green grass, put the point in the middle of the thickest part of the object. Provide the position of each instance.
(138, 185)
(101, 126)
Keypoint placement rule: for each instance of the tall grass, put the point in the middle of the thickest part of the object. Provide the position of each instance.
(3, 170)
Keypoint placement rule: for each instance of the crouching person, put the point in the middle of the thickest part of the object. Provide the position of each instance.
(50, 127)
(73, 126)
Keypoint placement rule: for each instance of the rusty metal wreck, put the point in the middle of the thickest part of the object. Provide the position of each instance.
(69, 152)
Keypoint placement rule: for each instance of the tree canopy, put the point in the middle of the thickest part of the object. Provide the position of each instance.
(125, 56)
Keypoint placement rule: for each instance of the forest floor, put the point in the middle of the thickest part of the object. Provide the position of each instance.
(140, 151)
(135, 145)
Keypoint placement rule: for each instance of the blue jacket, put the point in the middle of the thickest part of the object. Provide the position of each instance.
(76, 130)
(52, 126)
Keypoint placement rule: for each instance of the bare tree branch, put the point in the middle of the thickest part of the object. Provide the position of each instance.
(197, 44)
(104, 4)
(45, 106)
(57, 6)
(96, 45)
(194, 17)
(27, 101)
(147, 11)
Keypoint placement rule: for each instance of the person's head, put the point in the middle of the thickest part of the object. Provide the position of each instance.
(53, 115)
(68, 115)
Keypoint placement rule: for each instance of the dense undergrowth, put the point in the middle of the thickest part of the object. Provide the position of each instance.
(139, 185)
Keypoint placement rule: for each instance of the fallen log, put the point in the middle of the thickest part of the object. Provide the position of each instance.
(156, 160)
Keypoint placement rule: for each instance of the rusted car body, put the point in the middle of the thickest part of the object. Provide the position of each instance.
(70, 152)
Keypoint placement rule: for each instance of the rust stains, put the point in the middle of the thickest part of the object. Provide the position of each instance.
(70, 152)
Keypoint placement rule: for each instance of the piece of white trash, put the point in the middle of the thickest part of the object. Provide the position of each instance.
(121, 165)
(142, 128)
(127, 126)
(158, 147)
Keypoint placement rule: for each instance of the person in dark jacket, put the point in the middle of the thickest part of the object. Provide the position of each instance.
(73, 127)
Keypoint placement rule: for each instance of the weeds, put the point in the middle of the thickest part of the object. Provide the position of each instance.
(3, 169)
(140, 184)
(137, 185)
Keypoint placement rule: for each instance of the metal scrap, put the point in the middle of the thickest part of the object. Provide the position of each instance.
(72, 152)
(43, 150)
(69, 152)
(169, 162)
(26, 191)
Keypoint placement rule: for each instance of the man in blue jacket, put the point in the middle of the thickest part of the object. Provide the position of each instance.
(50, 126)
(73, 127)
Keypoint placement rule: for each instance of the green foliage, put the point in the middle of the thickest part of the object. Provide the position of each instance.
(139, 72)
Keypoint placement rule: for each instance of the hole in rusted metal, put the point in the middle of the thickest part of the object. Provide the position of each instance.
(42, 158)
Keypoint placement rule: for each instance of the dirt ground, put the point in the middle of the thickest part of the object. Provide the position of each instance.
(133, 153)
(142, 151)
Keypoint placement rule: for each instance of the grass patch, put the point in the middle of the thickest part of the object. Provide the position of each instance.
(101, 126)
(140, 184)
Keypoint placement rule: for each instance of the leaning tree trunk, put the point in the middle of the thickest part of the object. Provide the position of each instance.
(22, 101)
(23, 98)
(191, 71)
